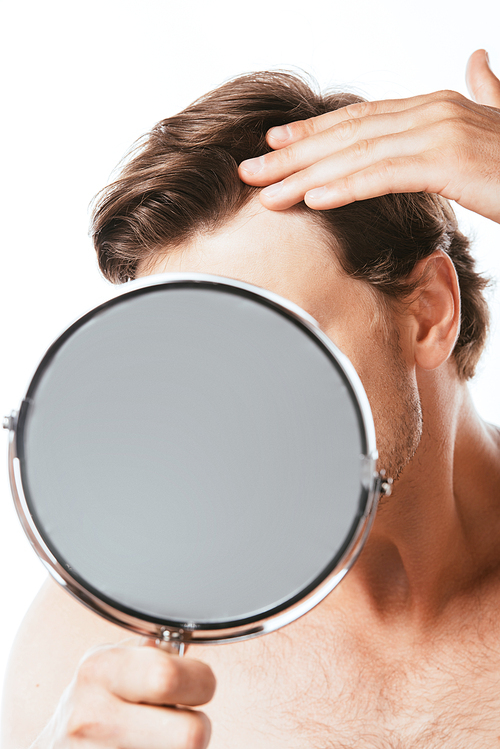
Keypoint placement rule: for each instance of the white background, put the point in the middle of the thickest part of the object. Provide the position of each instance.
(81, 81)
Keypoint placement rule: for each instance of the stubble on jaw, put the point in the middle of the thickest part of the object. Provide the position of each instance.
(397, 414)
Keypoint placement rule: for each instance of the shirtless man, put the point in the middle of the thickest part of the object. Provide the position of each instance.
(406, 651)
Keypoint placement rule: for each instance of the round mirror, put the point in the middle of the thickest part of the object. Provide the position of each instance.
(196, 457)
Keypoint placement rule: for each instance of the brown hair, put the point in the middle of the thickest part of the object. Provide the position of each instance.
(181, 178)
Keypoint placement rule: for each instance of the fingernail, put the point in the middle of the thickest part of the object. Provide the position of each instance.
(487, 58)
(273, 190)
(318, 192)
(252, 166)
(280, 133)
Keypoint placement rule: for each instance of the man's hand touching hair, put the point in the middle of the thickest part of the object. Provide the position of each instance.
(440, 143)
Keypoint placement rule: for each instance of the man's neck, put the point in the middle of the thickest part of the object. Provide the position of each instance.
(438, 535)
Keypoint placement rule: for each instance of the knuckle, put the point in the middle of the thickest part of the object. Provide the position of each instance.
(347, 129)
(360, 109)
(285, 156)
(89, 670)
(389, 173)
(165, 676)
(361, 149)
(349, 185)
(388, 166)
(449, 131)
(384, 173)
(386, 169)
(83, 727)
(448, 94)
(198, 731)
(303, 128)
(447, 108)
(92, 719)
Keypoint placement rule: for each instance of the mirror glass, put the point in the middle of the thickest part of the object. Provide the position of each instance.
(192, 453)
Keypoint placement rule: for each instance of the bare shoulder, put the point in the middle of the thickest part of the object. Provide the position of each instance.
(54, 635)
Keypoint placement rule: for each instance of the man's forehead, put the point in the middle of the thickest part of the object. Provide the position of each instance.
(287, 252)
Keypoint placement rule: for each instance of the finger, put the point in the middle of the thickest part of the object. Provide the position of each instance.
(131, 726)
(361, 155)
(284, 135)
(165, 728)
(482, 83)
(144, 674)
(405, 174)
(274, 167)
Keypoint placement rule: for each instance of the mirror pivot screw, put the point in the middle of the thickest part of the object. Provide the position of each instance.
(386, 484)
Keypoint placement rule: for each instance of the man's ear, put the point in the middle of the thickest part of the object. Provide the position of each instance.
(435, 309)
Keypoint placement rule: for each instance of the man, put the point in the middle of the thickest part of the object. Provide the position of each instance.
(406, 651)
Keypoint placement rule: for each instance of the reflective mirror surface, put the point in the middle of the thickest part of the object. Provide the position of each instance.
(192, 453)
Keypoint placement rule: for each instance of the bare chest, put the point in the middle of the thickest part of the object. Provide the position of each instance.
(337, 693)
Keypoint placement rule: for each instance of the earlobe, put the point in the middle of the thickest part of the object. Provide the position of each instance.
(436, 310)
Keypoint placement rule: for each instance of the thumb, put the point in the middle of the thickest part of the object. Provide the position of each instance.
(483, 85)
